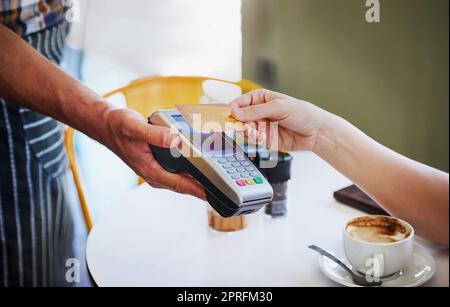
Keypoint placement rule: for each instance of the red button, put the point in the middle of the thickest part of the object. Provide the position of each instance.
(241, 183)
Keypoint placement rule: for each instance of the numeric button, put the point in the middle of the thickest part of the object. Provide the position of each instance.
(245, 175)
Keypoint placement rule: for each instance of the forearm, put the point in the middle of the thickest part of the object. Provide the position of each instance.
(30, 80)
(405, 188)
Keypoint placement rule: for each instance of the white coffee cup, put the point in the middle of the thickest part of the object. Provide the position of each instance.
(378, 259)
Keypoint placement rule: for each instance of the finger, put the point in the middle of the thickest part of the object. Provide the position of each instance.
(272, 110)
(252, 125)
(258, 96)
(158, 136)
(251, 98)
(185, 185)
(179, 183)
(188, 185)
(249, 127)
(182, 184)
(261, 138)
(252, 133)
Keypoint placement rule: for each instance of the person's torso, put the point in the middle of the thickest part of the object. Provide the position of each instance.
(26, 17)
(36, 222)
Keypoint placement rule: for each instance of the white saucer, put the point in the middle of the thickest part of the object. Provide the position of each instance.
(419, 271)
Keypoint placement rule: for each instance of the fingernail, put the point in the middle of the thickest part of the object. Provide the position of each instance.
(172, 140)
(176, 141)
(262, 137)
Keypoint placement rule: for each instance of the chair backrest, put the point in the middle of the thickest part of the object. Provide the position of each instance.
(146, 96)
(159, 93)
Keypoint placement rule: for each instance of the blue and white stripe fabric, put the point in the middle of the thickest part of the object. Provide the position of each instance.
(36, 227)
(26, 17)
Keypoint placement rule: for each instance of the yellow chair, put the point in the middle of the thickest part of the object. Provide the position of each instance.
(146, 96)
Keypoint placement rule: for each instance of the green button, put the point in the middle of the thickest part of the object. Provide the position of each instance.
(258, 180)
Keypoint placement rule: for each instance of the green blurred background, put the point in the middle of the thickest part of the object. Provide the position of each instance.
(389, 78)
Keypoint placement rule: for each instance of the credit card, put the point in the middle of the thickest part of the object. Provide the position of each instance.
(210, 118)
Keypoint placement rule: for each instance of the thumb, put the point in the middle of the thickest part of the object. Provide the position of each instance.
(159, 136)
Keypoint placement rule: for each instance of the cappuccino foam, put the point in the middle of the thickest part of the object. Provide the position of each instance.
(378, 230)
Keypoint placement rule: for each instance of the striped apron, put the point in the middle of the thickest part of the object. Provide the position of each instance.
(36, 226)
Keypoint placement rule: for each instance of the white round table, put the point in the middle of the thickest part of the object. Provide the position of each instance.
(159, 238)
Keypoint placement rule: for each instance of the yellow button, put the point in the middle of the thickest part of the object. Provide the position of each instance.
(250, 182)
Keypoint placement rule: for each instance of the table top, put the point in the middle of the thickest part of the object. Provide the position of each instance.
(160, 238)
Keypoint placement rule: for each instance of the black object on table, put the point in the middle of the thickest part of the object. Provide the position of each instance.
(354, 197)
(278, 177)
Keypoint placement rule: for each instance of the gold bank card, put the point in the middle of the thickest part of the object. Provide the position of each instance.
(210, 118)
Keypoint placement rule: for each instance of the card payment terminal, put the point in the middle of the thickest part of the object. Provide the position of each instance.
(234, 186)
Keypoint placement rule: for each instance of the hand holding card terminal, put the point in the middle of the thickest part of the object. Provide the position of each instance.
(234, 185)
